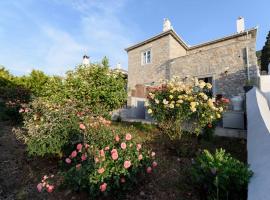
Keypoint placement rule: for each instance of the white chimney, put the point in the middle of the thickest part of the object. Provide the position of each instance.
(240, 24)
(167, 25)
(118, 66)
(86, 60)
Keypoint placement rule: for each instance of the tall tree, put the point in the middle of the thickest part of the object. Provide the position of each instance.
(265, 57)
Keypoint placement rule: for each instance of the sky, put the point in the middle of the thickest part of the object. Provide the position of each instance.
(53, 35)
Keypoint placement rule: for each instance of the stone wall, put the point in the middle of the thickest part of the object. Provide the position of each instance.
(148, 73)
(224, 62)
(175, 49)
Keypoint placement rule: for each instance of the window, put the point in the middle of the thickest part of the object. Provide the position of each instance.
(208, 80)
(146, 57)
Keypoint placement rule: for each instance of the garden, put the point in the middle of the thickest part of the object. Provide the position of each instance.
(57, 140)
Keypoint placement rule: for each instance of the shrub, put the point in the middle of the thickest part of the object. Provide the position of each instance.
(108, 163)
(179, 107)
(12, 96)
(49, 127)
(220, 176)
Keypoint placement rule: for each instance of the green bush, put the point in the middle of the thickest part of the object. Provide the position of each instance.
(220, 176)
(49, 127)
(51, 121)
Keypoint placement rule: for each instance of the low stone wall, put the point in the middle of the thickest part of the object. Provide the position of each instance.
(258, 144)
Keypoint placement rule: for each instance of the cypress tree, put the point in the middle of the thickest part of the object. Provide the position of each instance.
(265, 57)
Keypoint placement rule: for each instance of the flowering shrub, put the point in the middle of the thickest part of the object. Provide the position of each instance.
(109, 165)
(182, 107)
(220, 176)
(49, 127)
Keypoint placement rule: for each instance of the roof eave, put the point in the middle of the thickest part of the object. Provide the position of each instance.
(169, 32)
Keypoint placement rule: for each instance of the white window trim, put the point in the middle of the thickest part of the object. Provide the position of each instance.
(142, 56)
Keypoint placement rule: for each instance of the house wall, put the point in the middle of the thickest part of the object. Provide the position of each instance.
(141, 74)
(213, 60)
(170, 59)
(175, 49)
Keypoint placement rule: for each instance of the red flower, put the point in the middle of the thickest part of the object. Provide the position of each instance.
(73, 154)
(123, 145)
(127, 164)
(103, 187)
(79, 147)
(50, 188)
(210, 126)
(68, 161)
(82, 126)
(128, 136)
(83, 157)
(154, 164)
(149, 170)
(117, 138)
(39, 187)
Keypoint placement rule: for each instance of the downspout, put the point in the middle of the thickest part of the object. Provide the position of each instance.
(247, 55)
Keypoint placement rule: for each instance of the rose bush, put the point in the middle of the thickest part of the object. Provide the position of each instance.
(108, 160)
(183, 107)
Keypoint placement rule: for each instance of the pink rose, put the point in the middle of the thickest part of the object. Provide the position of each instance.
(117, 138)
(45, 177)
(39, 187)
(73, 154)
(107, 148)
(21, 110)
(96, 160)
(140, 157)
(83, 157)
(139, 146)
(102, 153)
(82, 126)
(127, 164)
(153, 154)
(149, 170)
(68, 161)
(122, 180)
(103, 187)
(115, 156)
(79, 147)
(101, 170)
(50, 188)
(154, 164)
(86, 146)
(123, 145)
(128, 136)
(78, 166)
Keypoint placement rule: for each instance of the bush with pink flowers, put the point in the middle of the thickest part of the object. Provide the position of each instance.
(108, 166)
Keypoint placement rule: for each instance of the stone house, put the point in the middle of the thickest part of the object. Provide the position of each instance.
(228, 62)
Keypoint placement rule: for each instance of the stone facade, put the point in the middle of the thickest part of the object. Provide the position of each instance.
(223, 60)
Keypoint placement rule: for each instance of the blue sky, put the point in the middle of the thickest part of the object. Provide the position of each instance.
(53, 35)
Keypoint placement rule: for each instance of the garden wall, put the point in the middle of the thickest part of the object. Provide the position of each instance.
(258, 144)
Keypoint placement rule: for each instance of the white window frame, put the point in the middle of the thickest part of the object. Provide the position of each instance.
(144, 57)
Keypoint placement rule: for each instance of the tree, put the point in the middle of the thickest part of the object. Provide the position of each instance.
(105, 62)
(265, 57)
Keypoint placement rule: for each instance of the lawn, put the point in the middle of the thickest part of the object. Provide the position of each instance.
(19, 174)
